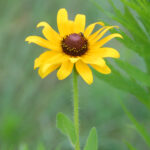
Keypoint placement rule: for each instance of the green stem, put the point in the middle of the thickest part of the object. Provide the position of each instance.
(76, 107)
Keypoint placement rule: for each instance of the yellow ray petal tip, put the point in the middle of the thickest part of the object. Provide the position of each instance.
(35, 67)
(116, 27)
(28, 39)
(62, 10)
(41, 24)
(119, 35)
(89, 82)
(101, 23)
(118, 56)
(60, 77)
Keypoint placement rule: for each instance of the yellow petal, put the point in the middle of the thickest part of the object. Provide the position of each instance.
(102, 69)
(91, 37)
(46, 69)
(65, 26)
(84, 71)
(43, 57)
(62, 18)
(90, 28)
(65, 70)
(102, 33)
(79, 23)
(107, 38)
(49, 32)
(50, 57)
(59, 58)
(105, 52)
(42, 42)
(92, 59)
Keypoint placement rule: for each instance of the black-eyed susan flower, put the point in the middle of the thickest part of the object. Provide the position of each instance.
(73, 46)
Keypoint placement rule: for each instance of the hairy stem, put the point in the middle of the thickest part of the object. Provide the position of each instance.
(76, 107)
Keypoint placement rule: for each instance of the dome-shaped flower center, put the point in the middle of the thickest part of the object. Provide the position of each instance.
(74, 44)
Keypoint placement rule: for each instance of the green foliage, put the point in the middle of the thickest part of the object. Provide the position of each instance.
(134, 72)
(130, 147)
(136, 82)
(140, 128)
(138, 39)
(135, 28)
(66, 126)
(120, 82)
(92, 141)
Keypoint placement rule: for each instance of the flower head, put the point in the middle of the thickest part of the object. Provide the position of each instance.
(73, 46)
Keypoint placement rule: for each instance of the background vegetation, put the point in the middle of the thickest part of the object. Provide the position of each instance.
(28, 105)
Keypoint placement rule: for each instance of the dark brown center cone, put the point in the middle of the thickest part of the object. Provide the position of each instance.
(74, 44)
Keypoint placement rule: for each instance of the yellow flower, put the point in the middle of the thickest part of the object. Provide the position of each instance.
(73, 45)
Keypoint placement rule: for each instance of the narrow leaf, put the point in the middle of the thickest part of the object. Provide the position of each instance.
(142, 131)
(66, 126)
(134, 72)
(92, 142)
(130, 147)
(117, 80)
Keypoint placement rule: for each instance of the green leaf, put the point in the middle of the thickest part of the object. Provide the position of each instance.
(138, 39)
(117, 80)
(92, 142)
(134, 72)
(142, 131)
(66, 126)
(130, 147)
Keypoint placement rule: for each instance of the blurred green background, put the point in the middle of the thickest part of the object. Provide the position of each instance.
(28, 104)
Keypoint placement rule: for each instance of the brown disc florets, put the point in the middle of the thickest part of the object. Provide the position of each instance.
(75, 44)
